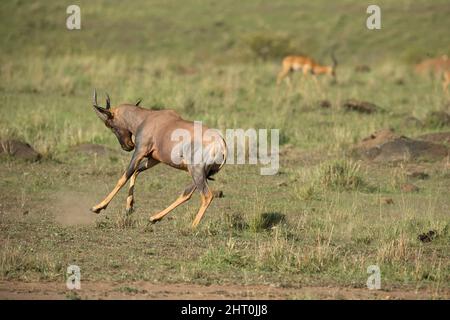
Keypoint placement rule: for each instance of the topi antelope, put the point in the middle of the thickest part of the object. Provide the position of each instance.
(153, 132)
(307, 65)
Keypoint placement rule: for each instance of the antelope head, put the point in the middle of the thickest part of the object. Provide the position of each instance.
(112, 119)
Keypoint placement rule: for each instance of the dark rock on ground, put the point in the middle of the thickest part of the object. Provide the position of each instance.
(427, 236)
(19, 150)
(386, 146)
(406, 149)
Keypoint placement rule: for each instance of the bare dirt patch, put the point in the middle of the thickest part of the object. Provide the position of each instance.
(19, 150)
(146, 290)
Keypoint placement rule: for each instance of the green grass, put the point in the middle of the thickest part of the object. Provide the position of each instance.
(320, 221)
(223, 31)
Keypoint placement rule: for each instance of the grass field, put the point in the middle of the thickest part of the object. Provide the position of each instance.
(308, 226)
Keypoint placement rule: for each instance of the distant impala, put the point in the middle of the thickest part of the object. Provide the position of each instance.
(307, 65)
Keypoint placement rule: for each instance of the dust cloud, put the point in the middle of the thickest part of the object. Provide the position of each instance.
(71, 208)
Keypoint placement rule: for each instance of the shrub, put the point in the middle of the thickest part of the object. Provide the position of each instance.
(341, 174)
(265, 221)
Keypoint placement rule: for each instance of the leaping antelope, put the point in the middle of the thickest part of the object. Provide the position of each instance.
(307, 65)
(153, 143)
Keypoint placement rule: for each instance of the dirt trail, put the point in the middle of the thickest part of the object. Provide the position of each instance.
(146, 290)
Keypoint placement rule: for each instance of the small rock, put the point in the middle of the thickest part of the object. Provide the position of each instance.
(386, 146)
(428, 236)
(409, 187)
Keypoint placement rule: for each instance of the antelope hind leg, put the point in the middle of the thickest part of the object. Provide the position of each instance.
(207, 198)
(185, 196)
(199, 176)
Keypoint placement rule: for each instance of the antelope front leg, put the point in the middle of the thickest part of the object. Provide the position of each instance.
(130, 171)
(102, 205)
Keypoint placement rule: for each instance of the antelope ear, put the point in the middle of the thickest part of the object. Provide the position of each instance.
(102, 113)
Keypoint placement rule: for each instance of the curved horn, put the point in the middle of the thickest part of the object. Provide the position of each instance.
(94, 102)
(108, 101)
(102, 113)
(138, 102)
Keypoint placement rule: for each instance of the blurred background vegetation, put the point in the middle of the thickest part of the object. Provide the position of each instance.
(226, 31)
